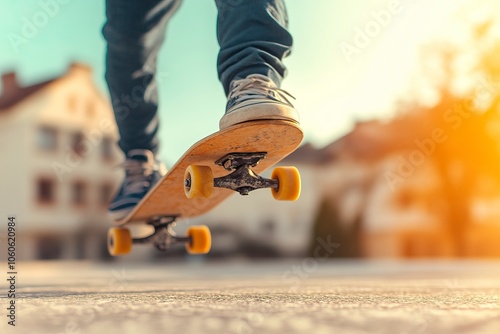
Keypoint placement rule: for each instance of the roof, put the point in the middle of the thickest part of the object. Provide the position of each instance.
(308, 154)
(368, 141)
(9, 100)
(13, 93)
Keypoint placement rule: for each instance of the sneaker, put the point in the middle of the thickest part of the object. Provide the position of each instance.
(257, 98)
(142, 172)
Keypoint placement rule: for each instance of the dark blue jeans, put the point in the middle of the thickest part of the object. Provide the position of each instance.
(253, 39)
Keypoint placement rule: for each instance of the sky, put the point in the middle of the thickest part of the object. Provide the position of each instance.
(337, 76)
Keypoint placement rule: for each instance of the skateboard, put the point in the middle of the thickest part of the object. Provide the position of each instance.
(215, 167)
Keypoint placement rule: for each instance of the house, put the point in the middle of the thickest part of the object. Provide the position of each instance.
(57, 140)
(393, 187)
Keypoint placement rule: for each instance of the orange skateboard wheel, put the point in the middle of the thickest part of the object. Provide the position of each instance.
(288, 183)
(201, 240)
(198, 182)
(119, 241)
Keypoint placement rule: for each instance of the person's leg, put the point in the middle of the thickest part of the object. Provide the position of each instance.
(134, 32)
(253, 39)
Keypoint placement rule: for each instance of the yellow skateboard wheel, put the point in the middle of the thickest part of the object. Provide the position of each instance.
(119, 241)
(288, 183)
(201, 240)
(198, 182)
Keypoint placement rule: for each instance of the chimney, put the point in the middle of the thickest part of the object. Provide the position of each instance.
(75, 66)
(9, 84)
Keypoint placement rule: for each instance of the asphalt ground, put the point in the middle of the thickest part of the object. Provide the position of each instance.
(292, 296)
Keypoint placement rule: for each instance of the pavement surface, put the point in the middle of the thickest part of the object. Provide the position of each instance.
(293, 296)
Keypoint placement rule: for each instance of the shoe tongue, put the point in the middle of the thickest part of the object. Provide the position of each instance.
(258, 76)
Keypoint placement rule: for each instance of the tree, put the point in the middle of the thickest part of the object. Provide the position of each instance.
(471, 149)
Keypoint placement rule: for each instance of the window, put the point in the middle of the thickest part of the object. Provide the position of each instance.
(78, 193)
(105, 194)
(107, 148)
(77, 143)
(47, 138)
(45, 191)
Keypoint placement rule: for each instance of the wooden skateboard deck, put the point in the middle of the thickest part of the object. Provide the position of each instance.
(168, 198)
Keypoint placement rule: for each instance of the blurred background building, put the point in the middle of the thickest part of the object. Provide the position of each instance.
(57, 140)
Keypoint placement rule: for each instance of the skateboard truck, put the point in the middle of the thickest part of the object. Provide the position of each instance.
(197, 238)
(243, 179)
(163, 236)
(199, 181)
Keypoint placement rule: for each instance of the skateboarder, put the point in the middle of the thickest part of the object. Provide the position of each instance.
(253, 39)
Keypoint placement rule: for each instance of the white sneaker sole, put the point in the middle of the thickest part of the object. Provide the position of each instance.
(258, 110)
(119, 215)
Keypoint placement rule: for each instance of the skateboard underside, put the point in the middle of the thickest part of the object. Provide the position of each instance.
(227, 161)
(276, 138)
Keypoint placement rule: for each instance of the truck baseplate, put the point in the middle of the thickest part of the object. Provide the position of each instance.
(243, 179)
(163, 236)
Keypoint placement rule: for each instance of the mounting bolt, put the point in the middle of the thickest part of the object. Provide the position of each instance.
(243, 191)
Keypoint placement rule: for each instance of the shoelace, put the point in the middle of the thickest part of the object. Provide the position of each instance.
(137, 175)
(244, 89)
